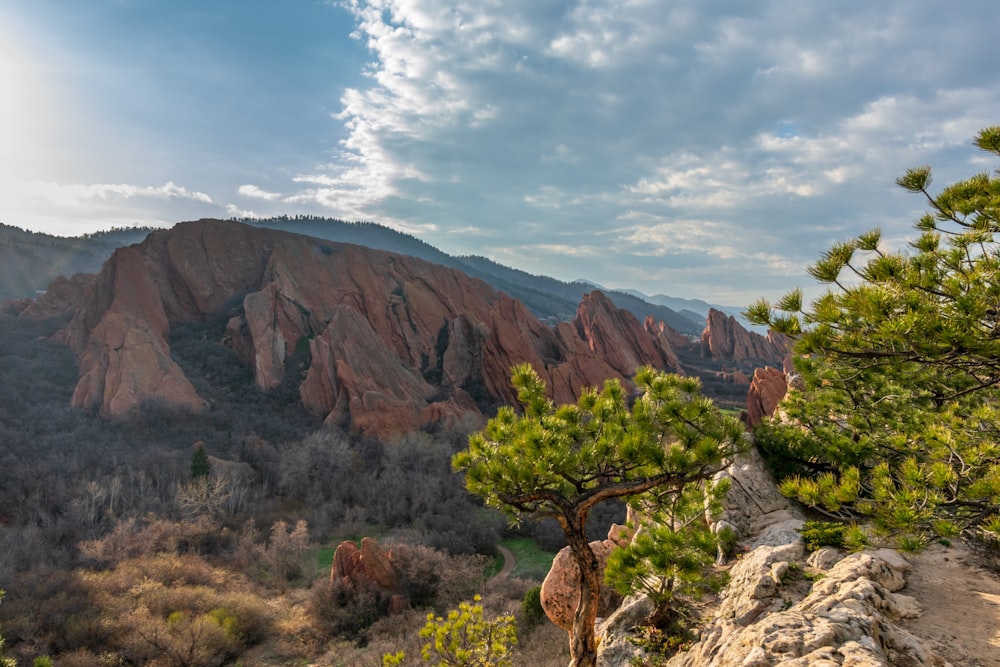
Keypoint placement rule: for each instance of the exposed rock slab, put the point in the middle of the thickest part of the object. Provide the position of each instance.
(768, 387)
(754, 505)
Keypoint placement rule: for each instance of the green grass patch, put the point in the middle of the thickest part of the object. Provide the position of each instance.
(324, 557)
(532, 562)
(493, 567)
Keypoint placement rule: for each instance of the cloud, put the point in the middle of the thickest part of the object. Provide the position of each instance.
(71, 209)
(254, 192)
(700, 149)
(749, 136)
(65, 193)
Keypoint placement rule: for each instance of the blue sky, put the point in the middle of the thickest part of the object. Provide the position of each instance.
(695, 148)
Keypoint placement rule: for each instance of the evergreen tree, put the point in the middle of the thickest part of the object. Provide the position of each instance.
(672, 554)
(899, 411)
(561, 461)
(201, 468)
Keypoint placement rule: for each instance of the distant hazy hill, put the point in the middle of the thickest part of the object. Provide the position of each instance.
(571, 293)
(695, 309)
(29, 261)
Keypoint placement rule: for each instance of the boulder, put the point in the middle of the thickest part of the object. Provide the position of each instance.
(560, 592)
(368, 567)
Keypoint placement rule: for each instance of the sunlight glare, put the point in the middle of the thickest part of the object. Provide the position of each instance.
(27, 114)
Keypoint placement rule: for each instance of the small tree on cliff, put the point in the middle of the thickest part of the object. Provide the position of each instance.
(899, 412)
(561, 461)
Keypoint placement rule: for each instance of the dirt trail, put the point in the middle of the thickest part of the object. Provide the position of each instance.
(509, 562)
(961, 605)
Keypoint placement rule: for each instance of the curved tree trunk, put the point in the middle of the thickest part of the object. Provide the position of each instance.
(583, 645)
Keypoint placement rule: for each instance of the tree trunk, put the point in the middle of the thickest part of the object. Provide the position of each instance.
(583, 645)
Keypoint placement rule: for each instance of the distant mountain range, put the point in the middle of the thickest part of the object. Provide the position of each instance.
(30, 261)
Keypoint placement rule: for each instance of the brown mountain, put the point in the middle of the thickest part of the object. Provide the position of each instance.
(392, 342)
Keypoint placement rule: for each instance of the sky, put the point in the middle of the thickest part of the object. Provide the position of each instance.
(697, 148)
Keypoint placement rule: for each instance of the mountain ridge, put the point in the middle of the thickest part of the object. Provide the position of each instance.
(387, 342)
(549, 298)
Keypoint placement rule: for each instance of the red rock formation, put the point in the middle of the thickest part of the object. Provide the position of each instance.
(393, 342)
(124, 358)
(60, 299)
(725, 338)
(767, 389)
(369, 566)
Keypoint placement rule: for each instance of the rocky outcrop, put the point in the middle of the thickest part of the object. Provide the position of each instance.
(124, 357)
(59, 300)
(851, 616)
(369, 569)
(846, 612)
(387, 343)
(754, 507)
(725, 338)
(369, 566)
(767, 388)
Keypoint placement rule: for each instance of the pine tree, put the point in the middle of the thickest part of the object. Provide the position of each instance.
(899, 411)
(200, 466)
(560, 462)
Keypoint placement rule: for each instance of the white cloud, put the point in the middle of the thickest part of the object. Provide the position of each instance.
(682, 147)
(76, 192)
(254, 192)
(234, 211)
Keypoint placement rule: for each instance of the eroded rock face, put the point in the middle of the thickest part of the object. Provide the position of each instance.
(367, 567)
(389, 343)
(725, 338)
(754, 508)
(121, 342)
(767, 388)
(60, 299)
(849, 617)
(770, 614)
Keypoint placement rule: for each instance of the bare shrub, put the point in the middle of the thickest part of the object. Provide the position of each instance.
(182, 639)
(543, 646)
(85, 658)
(432, 578)
(131, 539)
(283, 553)
(344, 608)
(254, 619)
(203, 496)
